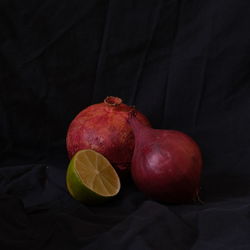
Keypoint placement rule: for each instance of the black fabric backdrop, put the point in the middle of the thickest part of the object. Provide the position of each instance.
(183, 63)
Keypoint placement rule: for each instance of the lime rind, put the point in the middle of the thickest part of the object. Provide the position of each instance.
(79, 191)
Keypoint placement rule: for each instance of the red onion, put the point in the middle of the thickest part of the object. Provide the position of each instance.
(103, 127)
(166, 164)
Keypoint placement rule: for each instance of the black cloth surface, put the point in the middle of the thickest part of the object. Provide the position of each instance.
(185, 64)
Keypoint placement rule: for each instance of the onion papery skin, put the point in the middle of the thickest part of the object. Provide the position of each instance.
(166, 164)
(103, 127)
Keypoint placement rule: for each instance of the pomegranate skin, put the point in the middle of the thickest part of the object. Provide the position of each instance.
(166, 164)
(103, 127)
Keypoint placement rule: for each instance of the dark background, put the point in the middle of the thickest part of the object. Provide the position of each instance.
(184, 64)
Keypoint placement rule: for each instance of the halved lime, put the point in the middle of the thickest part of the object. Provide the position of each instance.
(91, 178)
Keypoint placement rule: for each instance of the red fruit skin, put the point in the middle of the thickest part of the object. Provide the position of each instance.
(166, 165)
(103, 127)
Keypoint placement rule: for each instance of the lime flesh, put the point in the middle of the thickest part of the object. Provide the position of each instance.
(91, 178)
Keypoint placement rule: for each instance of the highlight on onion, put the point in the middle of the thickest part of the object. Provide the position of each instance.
(166, 164)
(103, 127)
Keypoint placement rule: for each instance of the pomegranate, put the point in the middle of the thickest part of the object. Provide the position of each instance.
(166, 164)
(103, 127)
